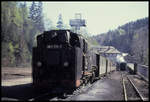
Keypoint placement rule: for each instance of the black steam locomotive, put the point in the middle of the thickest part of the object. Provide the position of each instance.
(62, 61)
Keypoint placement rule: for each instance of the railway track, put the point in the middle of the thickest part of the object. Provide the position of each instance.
(130, 90)
(57, 97)
(141, 85)
(47, 96)
(44, 96)
(63, 96)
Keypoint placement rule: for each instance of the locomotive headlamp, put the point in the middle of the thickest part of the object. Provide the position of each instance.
(66, 64)
(48, 46)
(39, 64)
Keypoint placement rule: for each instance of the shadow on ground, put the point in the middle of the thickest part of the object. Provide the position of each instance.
(20, 92)
(24, 92)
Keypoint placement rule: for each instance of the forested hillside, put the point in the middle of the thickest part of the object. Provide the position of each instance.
(21, 23)
(19, 26)
(130, 38)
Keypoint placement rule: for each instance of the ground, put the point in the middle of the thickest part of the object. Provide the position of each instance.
(14, 76)
(15, 73)
(17, 85)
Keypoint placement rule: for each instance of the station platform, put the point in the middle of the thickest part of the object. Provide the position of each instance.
(107, 88)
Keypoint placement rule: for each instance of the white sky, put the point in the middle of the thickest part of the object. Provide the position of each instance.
(100, 16)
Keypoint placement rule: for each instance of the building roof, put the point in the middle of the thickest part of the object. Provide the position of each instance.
(108, 49)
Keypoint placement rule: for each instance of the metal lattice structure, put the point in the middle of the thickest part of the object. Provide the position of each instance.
(77, 22)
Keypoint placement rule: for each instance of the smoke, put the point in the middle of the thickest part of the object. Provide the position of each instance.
(120, 58)
(124, 54)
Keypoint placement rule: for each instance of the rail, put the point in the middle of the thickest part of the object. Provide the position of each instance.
(126, 89)
(138, 92)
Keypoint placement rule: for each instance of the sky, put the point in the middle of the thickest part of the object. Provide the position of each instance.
(100, 16)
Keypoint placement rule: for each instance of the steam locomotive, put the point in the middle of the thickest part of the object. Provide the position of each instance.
(62, 62)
